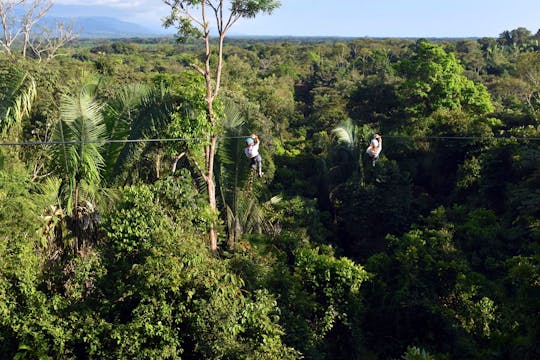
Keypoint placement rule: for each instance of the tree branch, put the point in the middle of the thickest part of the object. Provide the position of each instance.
(198, 68)
(180, 8)
(181, 155)
(30, 18)
(50, 41)
(8, 24)
(201, 171)
(230, 22)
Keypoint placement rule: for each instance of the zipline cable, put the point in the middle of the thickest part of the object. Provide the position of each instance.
(108, 141)
(125, 141)
(459, 137)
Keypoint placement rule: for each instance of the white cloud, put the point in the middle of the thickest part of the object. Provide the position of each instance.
(112, 3)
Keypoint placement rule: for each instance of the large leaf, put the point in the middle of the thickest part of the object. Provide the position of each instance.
(119, 116)
(147, 120)
(81, 132)
(17, 94)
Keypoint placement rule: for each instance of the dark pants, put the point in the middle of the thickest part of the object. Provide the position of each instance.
(256, 162)
(373, 158)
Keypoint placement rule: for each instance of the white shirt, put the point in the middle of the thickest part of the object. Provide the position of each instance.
(252, 151)
(375, 148)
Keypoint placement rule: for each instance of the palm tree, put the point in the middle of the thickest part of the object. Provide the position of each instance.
(234, 178)
(144, 113)
(78, 159)
(350, 145)
(122, 116)
(232, 171)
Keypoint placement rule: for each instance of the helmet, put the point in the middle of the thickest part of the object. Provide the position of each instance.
(250, 140)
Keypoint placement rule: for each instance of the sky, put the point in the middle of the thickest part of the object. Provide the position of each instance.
(348, 18)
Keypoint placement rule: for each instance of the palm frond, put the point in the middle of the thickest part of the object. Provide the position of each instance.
(348, 154)
(50, 190)
(87, 82)
(148, 120)
(248, 214)
(131, 96)
(83, 105)
(275, 199)
(232, 167)
(119, 115)
(19, 93)
(346, 134)
(82, 130)
(233, 119)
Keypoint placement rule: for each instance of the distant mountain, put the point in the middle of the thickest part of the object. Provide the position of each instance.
(106, 27)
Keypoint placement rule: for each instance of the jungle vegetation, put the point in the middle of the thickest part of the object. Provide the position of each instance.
(433, 253)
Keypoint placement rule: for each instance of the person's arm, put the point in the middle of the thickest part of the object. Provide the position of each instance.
(255, 138)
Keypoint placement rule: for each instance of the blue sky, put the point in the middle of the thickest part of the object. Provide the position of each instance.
(357, 18)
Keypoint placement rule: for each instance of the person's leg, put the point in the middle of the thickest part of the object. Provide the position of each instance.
(259, 165)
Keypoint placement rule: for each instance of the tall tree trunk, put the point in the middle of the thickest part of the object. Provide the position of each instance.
(212, 201)
(210, 150)
(75, 218)
(157, 165)
(25, 42)
(211, 185)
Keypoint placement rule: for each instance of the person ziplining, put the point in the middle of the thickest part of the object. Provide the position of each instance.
(374, 149)
(252, 153)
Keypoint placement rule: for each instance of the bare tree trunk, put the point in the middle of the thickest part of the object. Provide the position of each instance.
(158, 165)
(26, 41)
(213, 206)
(212, 191)
(211, 149)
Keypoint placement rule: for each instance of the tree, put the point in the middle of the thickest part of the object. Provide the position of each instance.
(173, 299)
(78, 158)
(515, 37)
(173, 108)
(18, 18)
(10, 31)
(422, 286)
(351, 137)
(29, 325)
(471, 55)
(434, 80)
(528, 70)
(232, 173)
(138, 112)
(46, 44)
(183, 15)
(323, 303)
(35, 11)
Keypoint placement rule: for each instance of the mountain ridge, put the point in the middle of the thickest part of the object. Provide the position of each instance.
(104, 27)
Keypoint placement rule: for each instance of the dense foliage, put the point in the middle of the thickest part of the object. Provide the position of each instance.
(431, 253)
